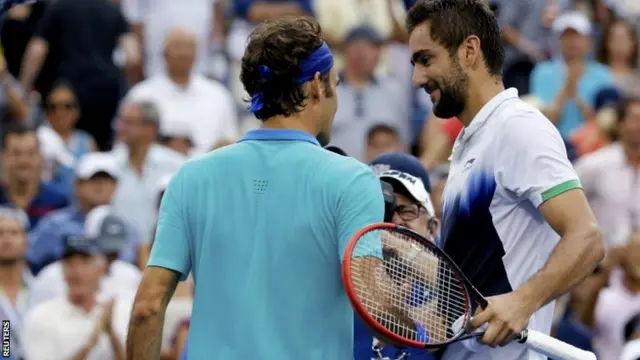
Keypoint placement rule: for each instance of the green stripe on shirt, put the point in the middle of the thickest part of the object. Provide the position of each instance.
(561, 188)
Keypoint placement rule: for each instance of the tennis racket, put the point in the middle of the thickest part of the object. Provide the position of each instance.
(411, 294)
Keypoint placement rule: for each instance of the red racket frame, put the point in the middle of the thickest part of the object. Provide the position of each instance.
(361, 310)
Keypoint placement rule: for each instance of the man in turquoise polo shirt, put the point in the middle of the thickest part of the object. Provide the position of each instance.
(263, 223)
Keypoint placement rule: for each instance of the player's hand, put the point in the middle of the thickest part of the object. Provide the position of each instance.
(505, 316)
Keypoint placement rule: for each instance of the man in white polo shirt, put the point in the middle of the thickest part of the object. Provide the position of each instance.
(515, 218)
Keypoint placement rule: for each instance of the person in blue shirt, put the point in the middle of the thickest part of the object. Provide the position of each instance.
(263, 224)
(22, 186)
(413, 209)
(567, 85)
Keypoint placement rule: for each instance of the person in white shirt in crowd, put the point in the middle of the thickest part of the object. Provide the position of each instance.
(96, 179)
(611, 180)
(81, 324)
(609, 309)
(151, 21)
(142, 162)
(110, 235)
(176, 135)
(15, 278)
(186, 96)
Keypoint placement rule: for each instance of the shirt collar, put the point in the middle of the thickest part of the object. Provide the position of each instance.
(485, 113)
(279, 134)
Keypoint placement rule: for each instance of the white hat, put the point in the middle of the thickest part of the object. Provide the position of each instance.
(574, 20)
(413, 185)
(93, 163)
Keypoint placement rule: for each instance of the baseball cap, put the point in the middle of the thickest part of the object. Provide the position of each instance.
(363, 32)
(78, 244)
(108, 231)
(574, 20)
(405, 171)
(401, 162)
(93, 163)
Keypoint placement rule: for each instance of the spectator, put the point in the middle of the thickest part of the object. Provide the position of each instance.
(13, 107)
(142, 163)
(152, 21)
(84, 34)
(22, 186)
(380, 139)
(610, 181)
(95, 184)
(177, 136)
(526, 32)
(80, 324)
(617, 304)
(63, 113)
(618, 50)
(181, 95)
(111, 236)
(568, 98)
(366, 100)
(15, 277)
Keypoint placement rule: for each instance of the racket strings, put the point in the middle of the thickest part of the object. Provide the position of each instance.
(412, 293)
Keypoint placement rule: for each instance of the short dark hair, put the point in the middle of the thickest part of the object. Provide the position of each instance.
(16, 130)
(603, 56)
(624, 105)
(452, 21)
(381, 129)
(281, 45)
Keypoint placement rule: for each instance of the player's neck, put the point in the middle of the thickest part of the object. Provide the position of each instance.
(480, 93)
(293, 122)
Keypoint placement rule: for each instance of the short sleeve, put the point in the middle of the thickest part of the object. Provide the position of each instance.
(360, 204)
(532, 159)
(171, 247)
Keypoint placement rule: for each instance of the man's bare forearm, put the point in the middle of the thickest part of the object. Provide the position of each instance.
(34, 57)
(575, 256)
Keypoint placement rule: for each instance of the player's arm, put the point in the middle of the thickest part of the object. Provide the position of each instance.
(536, 167)
(169, 262)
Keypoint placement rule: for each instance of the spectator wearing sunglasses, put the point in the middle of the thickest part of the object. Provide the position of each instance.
(63, 112)
(414, 210)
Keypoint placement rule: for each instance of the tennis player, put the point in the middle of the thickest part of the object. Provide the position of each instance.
(515, 218)
(263, 223)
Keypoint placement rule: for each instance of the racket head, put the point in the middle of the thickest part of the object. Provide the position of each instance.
(443, 305)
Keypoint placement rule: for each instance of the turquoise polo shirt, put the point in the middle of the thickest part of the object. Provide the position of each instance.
(548, 79)
(262, 224)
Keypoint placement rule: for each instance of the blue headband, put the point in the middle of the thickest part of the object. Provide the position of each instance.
(321, 60)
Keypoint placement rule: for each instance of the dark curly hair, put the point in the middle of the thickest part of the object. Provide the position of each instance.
(281, 45)
(452, 21)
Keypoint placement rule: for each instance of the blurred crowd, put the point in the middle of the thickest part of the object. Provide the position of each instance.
(101, 101)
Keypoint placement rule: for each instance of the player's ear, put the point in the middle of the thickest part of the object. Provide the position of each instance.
(316, 88)
(470, 51)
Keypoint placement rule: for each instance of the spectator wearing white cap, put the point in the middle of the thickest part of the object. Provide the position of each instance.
(185, 96)
(81, 324)
(567, 85)
(15, 278)
(141, 162)
(96, 180)
(111, 236)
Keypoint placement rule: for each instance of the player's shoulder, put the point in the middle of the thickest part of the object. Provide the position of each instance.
(520, 119)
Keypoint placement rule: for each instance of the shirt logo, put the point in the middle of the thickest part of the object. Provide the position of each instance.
(468, 164)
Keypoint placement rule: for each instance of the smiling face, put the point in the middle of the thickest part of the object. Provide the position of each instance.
(438, 72)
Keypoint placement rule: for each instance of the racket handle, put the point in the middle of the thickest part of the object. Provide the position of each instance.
(553, 347)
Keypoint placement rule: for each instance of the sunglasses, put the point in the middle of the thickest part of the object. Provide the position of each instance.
(65, 106)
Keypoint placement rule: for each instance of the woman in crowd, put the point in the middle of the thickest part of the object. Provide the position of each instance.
(619, 50)
(63, 112)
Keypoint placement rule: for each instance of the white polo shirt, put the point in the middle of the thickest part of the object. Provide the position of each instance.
(50, 283)
(504, 165)
(56, 329)
(205, 105)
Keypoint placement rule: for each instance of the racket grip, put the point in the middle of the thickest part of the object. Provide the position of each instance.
(553, 347)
